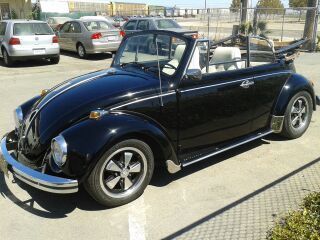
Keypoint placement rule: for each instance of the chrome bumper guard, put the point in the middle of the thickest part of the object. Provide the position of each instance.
(34, 178)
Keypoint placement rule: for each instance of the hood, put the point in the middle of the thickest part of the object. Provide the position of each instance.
(73, 100)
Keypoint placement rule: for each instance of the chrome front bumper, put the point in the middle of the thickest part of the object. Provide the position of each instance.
(45, 182)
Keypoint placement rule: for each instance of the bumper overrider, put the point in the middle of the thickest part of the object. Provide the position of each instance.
(36, 179)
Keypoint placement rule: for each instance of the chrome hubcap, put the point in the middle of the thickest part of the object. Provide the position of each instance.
(123, 172)
(299, 113)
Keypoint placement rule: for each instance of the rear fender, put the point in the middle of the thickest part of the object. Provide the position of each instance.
(88, 140)
(296, 83)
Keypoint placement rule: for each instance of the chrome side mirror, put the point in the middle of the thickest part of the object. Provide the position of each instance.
(194, 74)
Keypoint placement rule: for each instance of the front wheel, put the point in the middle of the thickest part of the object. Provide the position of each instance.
(122, 173)
(298, 115)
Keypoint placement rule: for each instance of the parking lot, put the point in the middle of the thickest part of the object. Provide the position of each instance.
(171, 202)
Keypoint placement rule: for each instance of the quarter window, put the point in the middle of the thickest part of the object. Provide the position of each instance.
(261, 52)
(130, 25)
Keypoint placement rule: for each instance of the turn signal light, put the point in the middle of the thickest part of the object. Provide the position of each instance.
(96, 36)
(122, 33)
(14, 41)
(44, 92)
(55, 39)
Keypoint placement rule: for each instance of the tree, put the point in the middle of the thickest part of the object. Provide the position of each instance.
(276, 6)
(298, 3)
(235, 6)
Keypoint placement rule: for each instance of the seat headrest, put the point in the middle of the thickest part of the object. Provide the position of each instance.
(179, 52)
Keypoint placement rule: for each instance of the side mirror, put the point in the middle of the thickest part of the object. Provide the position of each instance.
(194, 74)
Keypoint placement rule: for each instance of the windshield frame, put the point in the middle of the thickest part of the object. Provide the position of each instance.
(184, 59)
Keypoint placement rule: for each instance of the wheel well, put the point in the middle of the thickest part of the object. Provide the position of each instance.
(78, 43)
(158, 154)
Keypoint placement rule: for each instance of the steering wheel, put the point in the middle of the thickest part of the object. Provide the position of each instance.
(170, 66)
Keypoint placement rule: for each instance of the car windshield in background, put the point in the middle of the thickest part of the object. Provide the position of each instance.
(97, 25)
(61, 20)
(24, 29)
(166, 24)
(141, 51)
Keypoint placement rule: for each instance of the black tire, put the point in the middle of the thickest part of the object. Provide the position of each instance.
(55, 60)
(98, 180)
(294, 129)
(8, 62)
(81, 51)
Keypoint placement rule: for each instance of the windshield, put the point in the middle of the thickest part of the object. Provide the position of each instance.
(166, 24)
(141, 51)
(97, 25)
(24, 29)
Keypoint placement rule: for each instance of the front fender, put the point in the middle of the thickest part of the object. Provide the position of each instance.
(294, 84)
(88, 140)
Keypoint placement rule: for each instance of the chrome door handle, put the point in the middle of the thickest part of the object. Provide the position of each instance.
(246, 84)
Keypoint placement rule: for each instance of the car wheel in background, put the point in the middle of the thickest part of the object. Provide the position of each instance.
(298, 115)
(8, 62)
(122, 173)
(55, 60)
(81, 51)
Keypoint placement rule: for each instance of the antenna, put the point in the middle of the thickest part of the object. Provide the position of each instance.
(159, 71)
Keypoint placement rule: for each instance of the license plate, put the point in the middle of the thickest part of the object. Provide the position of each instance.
(4, 166)
(112, 38)
(39, 51)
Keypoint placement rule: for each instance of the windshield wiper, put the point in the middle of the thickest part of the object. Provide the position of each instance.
(133, 64)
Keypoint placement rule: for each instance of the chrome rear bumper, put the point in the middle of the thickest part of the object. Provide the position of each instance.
(45, 182)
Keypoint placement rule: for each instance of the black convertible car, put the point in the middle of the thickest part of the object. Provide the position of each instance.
(191, 100)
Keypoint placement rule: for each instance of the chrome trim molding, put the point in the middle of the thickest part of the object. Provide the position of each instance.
(37, 179)
(260, 135)
(172, 167)
(277, 123)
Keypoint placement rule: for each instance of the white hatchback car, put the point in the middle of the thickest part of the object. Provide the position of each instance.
(27, 39)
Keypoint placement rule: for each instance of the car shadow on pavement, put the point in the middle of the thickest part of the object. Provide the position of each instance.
(49, 205)
(28, 63)
(90, 57)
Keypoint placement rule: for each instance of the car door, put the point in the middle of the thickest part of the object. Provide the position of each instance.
(64, 36)
(269, 77)
(215, 109)
(74, 35)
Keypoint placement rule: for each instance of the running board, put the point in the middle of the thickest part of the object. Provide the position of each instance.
(234, 145)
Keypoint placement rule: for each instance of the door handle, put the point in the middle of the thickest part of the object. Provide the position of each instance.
(246, 84)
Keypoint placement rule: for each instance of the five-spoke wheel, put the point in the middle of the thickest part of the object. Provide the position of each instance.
(122, 174)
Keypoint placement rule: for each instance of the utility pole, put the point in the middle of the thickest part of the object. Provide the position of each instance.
(244, 11)
(311, 21)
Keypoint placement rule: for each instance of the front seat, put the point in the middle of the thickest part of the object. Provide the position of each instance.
(176, 59)
(222, 60)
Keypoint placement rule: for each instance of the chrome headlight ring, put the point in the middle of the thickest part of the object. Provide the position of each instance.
(59, 150)
(18, 117)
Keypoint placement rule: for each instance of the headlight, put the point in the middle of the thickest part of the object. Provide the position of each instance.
(18, 117)
(59, 150)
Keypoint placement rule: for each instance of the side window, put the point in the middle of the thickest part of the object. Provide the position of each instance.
(65, 28)
(143, 25)
(3, 26)
(130, 25)
(200, 57)
(75, 28)
(261, 52)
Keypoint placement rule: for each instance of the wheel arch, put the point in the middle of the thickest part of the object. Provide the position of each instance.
(90, 139)
(296, 83)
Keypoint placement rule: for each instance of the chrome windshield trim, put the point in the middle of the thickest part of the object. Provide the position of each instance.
(34, 178)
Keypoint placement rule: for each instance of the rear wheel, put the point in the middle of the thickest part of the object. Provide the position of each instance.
(55, 60)
(8, 62)
(122, 174)
(81, 51)
(298, 115)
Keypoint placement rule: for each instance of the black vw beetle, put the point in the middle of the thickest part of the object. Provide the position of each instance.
(188, 102)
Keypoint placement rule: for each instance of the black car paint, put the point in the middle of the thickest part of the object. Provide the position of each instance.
(187, 122)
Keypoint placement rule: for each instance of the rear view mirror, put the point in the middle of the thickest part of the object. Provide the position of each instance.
(194, 74)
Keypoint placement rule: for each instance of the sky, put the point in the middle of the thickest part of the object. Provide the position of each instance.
(189, 3)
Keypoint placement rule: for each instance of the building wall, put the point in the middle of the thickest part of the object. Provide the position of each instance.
(20, 8)
(128, 9)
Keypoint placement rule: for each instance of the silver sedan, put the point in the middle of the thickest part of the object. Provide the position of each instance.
(89, 37)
